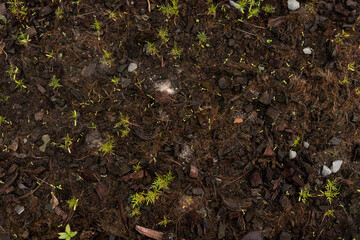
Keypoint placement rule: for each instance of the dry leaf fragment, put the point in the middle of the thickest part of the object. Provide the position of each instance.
(149, 232)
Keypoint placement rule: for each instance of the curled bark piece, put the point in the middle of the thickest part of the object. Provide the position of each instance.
(149, 232)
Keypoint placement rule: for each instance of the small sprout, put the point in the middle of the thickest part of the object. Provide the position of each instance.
(107, 148)
(17, 8)
(351, 66)
(111, 15)
(296, 142)
(163, 34)
(115, 80)
(169, 10)
(73, 203)
(74, 115)
(305, 194)
(331, 190)
(212, 10)
(162, 182)
(150, 48)
(97, 27)
(202, 38)
(68, 234)
(268, 8)
(23, 38)
(50, 54)
(152, 196)
(123, 124)
(176, 52)
(329, 213)
(345, 81)
(59, 12)
(136, 167)
(68, 143)
(164, 222)
(107, 58)
(135, 212)
(54, 83)
(2, 120)
(137, 199)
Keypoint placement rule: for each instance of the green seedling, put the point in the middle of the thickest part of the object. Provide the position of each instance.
(268, 8)
(150, 48)
(23, 38)
(12, 72)
(54, 82)
(305, 194)
(111, 15)
(59, 12)
(17, 8)
(115, 80)
(74, 116)
(50, 55)
(107, 58)
(136, 167)
(163, 34)
(329, 213)
(202, 39)
(68, 143)
(137, 199)
(68, 234)
(176, 52)
(252, 7)
(72, 203)
(2, 120)
(107, 148)
(123, 124)
(332, 190)
(162, 182)
(164, 222)
(296, 142)
(135, 212)
(170, 10)
(212, 10)
(97, 27)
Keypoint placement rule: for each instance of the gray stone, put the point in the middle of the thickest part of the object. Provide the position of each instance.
(325, 171)
(93, 140)
(336, 165)
(46, 140)
(293, 5)
(335, 141)
(306, 144)
(292, 154)
(132, 67)
(307, 51)
(19, 209)
(186, 152)
(121, 68)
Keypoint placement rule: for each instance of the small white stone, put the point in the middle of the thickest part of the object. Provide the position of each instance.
(132, 67)
(306, 144)
(325, 171)
(165, 87)
(293, 5)
(292, 154)
(336, 165)
(307, 51)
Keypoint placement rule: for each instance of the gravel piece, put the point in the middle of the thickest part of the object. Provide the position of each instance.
(306, 144)
(325, 171)
(293, 5)
(336, 165)
(292, 154)
(307, 51)
(132, 67)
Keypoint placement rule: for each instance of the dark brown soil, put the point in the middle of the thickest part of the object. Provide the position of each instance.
(239, 106)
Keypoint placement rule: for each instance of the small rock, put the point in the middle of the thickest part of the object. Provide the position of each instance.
(307, 51)
(194, 172)
(223, 83)
(132, 67)
(255, 179)
(335, 141)
(255, 235)
(306, 144)
(165, 87)
(293, 5)
(238, 120)
(197, 191)
(285, 236)
(46, 140)
(336, 165)
(292, 154)
(19, 209)
(39, 115)
(325, 171)
(186, 152)
(125, 82)
(93, 140)
(121, 68)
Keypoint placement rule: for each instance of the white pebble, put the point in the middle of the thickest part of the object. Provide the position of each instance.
(307, 51)
(292, 154)
(306, 144)
(325, 171)
(132, 67)
(293, 5)
(336, 165)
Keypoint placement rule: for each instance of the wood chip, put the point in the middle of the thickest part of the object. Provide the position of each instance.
(149, 232)
(238, 120)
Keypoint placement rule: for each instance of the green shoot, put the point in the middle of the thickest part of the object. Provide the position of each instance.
(68, 143)
(162, 182)
(150, 48)
(59, 12)
(136, 167)
(74, 115)
(50, 54)
(107, 148)
(212, 10)
(12, 71)
(107, 58)
(97, 27)
(169, 10)
(152, 196)
(137, 199)
(135, 212)
(2, 120)
(111, 15)
(202, 39)
(54, 83)
(68, 234)
(268, 8)
(17, 8)
(305, 194)
(332, 190)
(115, 80)
(296, 142)
(123, 124)
(176, 52)
(164, 222)
(73, 203)
(329, 213)
(163, 34)
(23, 38)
